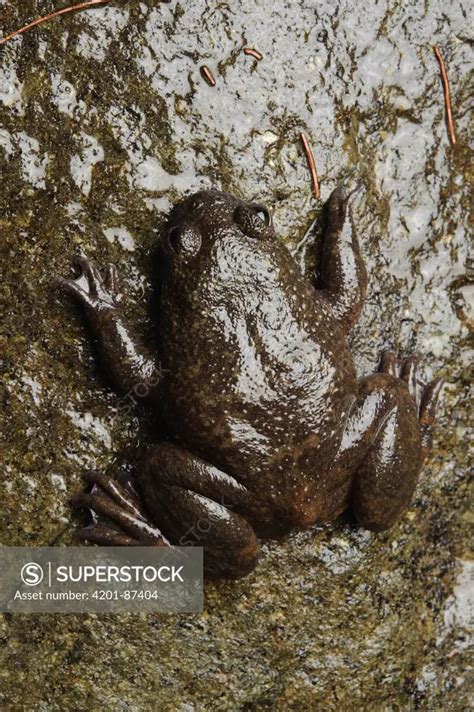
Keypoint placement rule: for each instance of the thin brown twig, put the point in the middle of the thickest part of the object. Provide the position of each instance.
(208, 76)
(45, 18)
(311, 164)
(447, 96)
(253, 53)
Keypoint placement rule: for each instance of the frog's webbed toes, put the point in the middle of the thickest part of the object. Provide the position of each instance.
(83, 287)
(337, 205)
(390, 364)
(425, 396)
(88, 271)
(344, 195)
(429, 401)
(73, 287)
(406, 369)
(427, 415)
(409, 373)
(90, 287)
(122, 494)
(117, 516)
(110, 279)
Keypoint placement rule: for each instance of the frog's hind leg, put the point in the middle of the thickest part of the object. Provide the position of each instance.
(197, 504)
(118, 518)
(192, 502)
(392, 422)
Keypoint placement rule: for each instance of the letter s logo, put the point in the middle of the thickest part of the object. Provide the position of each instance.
(32, 574)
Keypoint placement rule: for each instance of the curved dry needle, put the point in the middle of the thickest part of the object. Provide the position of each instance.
(311, 164)
(253, 53)
(45, 18)
(208, 76)
(447, 95)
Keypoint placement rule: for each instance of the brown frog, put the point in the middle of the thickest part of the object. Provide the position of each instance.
(266, 425)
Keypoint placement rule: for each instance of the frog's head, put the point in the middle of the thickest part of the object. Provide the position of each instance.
(199, 221)
(215, 241)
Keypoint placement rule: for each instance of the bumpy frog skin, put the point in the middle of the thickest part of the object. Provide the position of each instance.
(264, 424)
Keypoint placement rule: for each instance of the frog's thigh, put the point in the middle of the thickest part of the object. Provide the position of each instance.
(190, 500)
(385, 427)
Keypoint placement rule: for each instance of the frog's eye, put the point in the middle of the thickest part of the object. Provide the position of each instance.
(184, 240)
(174, 237)
(263, 213)
(254, 220)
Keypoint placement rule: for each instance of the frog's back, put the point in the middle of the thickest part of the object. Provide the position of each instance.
(259, 376)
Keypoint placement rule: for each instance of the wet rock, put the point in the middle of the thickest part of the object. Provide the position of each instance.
(105, 122)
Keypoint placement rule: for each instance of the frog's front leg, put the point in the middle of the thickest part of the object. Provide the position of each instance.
(124, 359)
(385, 441)
(343, 281)
(192, 502)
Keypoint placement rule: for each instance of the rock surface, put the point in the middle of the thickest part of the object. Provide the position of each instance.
(105, 122)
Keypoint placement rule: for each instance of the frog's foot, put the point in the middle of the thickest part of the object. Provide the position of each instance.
(117, 514)
(94, 288)
(425, 395)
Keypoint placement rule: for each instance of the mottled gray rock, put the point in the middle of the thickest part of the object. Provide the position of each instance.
(105, 122)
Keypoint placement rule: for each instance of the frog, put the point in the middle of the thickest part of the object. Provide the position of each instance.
(263, 425)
